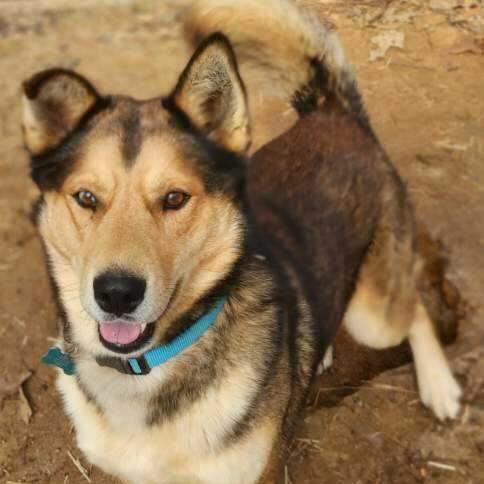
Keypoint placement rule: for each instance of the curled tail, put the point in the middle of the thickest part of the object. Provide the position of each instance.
(284, 46)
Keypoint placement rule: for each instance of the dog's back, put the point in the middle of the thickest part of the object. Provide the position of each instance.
(319, 213)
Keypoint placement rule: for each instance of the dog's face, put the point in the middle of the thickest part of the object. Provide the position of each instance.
(140, 213)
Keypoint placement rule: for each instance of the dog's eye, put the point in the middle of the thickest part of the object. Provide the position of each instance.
(175, 200)
(85, 199)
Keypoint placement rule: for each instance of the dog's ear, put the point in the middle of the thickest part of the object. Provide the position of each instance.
(211, 93)
(54, 102)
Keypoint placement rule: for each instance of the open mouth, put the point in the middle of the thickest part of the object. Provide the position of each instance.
(124, 337)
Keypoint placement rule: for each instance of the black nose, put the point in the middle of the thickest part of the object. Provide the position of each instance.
(118, 293)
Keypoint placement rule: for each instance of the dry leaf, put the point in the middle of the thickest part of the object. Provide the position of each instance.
(384, 41)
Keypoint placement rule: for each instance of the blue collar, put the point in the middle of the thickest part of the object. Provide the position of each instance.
(143, 364)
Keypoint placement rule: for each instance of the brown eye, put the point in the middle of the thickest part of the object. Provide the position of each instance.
(85, 199)
(175, 200)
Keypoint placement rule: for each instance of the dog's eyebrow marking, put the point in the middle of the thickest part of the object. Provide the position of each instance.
(131, 136)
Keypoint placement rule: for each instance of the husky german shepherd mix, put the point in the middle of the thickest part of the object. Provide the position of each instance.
(191, 354)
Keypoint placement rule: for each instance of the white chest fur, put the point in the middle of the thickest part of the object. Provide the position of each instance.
(188, 449)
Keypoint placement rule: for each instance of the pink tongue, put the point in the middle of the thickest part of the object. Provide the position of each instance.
(120, 333)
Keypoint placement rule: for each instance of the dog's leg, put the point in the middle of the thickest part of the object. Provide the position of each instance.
(327, 362)
(437, 386)
(380, 321)
(368, 322)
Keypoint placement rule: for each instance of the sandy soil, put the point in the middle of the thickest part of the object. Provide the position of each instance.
(364, 423)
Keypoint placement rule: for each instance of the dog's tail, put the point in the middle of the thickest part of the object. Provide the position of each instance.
(283, 45)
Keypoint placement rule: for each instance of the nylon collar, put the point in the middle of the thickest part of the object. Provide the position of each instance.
(143, 364)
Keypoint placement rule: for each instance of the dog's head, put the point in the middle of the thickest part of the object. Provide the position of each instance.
(141, 208)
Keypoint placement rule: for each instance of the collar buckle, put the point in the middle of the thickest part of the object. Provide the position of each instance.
(131, 366)
(138, 366)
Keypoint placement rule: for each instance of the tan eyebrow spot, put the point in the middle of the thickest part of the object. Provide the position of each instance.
(99, 167)
(161, 166)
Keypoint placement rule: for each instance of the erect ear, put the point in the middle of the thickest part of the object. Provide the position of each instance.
(54, 102)
(211, 93)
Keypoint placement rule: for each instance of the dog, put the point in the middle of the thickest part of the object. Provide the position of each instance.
(200, 289)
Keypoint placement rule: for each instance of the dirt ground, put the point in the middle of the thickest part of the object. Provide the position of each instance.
(425, 96)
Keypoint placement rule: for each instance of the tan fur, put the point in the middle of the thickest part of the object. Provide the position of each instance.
(386, 297)
(273, 40)
(227, 120)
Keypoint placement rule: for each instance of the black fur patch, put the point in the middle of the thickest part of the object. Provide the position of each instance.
(50, 169)
(32, 86)
(36, 210)
(306, 99)
(131, 135)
